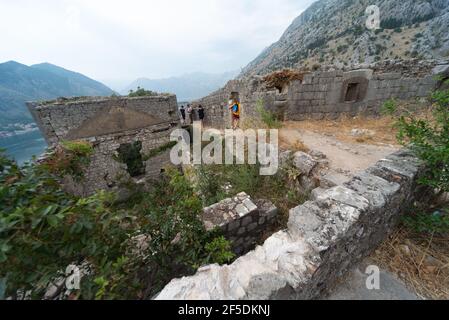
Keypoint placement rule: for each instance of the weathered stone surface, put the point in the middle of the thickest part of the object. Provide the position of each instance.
(304, 162)
(325, 238)
(109, 123)
(323, 94)
(240, 219)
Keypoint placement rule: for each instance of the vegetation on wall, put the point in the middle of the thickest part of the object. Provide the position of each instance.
(69, 158)
(129, 153)
(268, 118)
(141, 92)
(279, 79)
(157, 151)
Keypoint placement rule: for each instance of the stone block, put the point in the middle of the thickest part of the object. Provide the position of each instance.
(304, 162)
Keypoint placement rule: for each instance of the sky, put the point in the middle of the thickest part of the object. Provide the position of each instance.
(117, 41)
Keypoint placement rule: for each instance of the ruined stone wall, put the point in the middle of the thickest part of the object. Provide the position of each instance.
(325, 94)
(241, 220)
(325, 238)
(105, 172)
(328, 94)
(108, 123)
(56, 119)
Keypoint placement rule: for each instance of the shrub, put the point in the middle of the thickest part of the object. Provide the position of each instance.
(69, 158)
(434, 223)
(141, 92)
(157, 151)
(391, 23)
(43, 230)
(427, 138)
(268, 117)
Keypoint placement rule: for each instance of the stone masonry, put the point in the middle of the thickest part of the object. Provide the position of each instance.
(108, 124)
(241, 220)
(328, 93)
(324, 239)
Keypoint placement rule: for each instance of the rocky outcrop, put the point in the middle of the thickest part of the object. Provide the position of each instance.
(334, 32)
(324, 239)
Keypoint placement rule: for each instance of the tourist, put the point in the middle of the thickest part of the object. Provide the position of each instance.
(190, 113)
(235, 111)
(183, 115)
(201, 114)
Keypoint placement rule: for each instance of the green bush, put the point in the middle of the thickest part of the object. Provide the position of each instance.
(69, 158)
(435, 223)
(43, 230)
(141, 92)
(428, 138)
(268, 117)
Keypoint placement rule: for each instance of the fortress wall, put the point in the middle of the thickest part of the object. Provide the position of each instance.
(57, 118)
(325, 238)
(105, 172)
(108, 123)
(324, 94)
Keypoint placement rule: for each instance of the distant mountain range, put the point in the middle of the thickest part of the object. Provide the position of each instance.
(20, 83)
(334, 32)
(187, 87)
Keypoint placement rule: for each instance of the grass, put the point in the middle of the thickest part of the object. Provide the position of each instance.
(157, 151)
(217, 182)
(342, 127)
(421, 261)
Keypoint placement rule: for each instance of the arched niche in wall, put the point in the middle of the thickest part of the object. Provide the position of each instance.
(354, 89)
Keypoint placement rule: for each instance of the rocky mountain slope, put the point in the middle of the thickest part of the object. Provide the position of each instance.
(187, 87)
(19, 83)
(334, 32)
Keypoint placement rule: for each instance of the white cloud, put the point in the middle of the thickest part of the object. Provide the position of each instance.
(117, 39)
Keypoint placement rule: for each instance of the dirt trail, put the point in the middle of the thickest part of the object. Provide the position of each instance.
(345, 158)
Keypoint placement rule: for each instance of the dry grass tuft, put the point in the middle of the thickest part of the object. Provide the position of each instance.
(300, 146)
(279, 79)
(422, 262)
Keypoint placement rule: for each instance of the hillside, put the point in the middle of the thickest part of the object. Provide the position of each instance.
(19, 83)
(334, 32)
(187, 87)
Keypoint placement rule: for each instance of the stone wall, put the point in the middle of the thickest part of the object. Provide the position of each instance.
(329, 93)
(325, 94)
(108, 123)
(324, 239)
(241, 220)
(58, 119)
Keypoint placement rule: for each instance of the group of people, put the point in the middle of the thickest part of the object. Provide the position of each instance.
(187, 113)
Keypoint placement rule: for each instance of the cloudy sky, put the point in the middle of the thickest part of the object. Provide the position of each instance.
(117, 41)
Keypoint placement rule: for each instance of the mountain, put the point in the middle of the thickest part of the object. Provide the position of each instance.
(334, 32)
(187, 87)
(20, 83)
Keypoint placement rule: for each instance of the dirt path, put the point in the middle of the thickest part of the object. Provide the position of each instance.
(344, 157)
